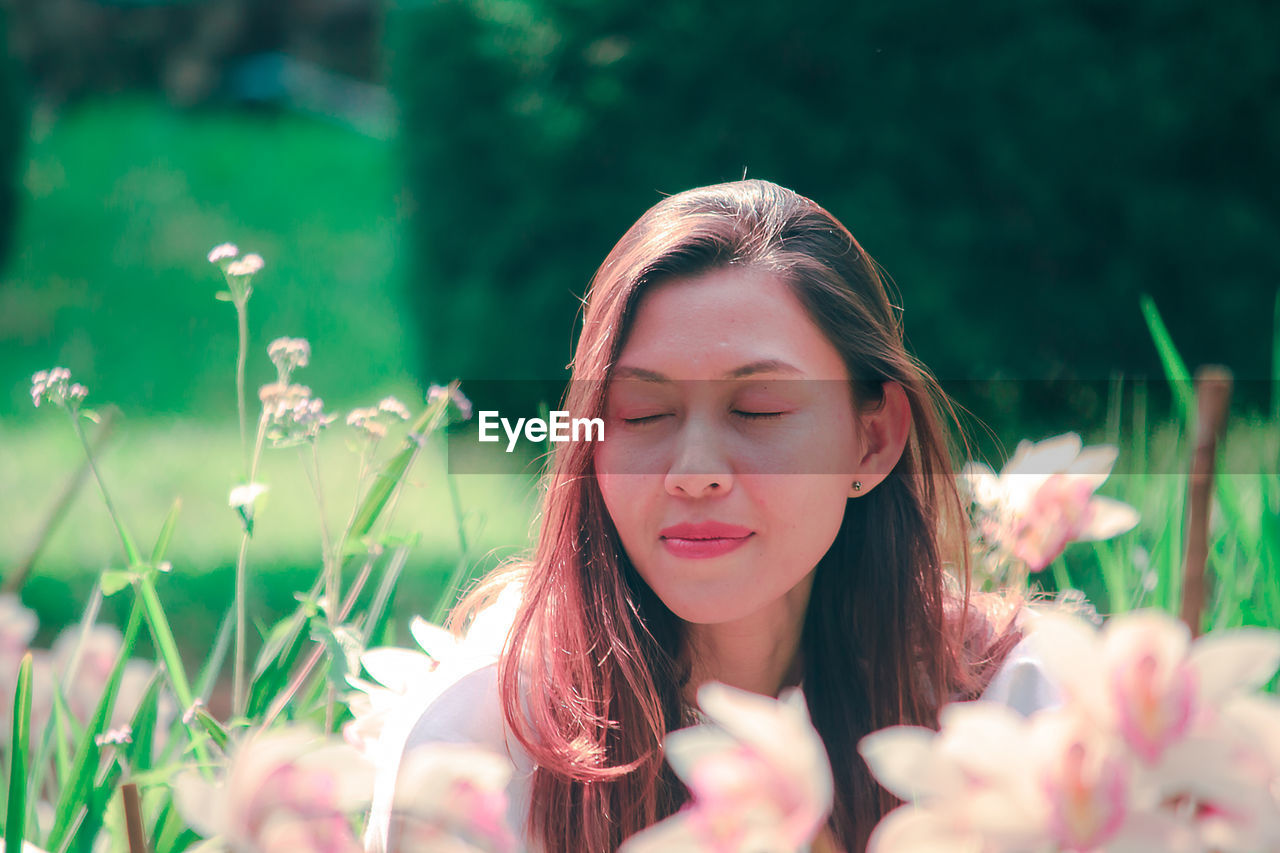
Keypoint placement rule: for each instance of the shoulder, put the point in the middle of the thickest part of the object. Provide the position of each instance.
(1023, 681)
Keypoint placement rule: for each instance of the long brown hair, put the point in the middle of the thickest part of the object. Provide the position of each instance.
(593, 676)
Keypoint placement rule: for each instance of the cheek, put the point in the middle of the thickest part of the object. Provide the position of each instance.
(811, 509)
(623, 496)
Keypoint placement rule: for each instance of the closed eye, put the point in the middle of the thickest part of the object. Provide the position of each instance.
(644, 420)
(760, 416)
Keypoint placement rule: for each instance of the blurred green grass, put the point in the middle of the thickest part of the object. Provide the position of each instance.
(150, 463)
(123, 199)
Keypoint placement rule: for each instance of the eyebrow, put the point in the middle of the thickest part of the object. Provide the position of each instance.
(768, 365)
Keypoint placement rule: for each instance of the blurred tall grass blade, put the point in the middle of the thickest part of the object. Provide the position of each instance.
(214, 728)
(141, 748)
(1275, 363)
(162, 636)
(54, 752)
(15, 826)
(275, 672)
(169, 832)
(1180, 380)
(137, 757)
(393, 472)
(166, 533)
(382, 595)
(208, 675)
(76, 790)
(1175, 369)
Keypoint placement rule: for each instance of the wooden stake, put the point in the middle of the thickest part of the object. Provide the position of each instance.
(1213, 396)
(133, 818)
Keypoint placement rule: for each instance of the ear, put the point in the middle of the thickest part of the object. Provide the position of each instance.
(884, 436)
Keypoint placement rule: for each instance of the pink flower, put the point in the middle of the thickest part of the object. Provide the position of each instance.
(1044, 499)
(246, 266)
(223, 252)
(1161, 746)
(452, 797)
(758, 772)
(404, 679)
(282, 790)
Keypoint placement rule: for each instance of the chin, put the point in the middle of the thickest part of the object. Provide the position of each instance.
(705, 612)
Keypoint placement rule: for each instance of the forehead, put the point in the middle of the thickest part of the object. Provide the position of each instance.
(712, 325)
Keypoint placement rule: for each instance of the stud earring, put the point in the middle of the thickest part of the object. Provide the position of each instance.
(857, 485)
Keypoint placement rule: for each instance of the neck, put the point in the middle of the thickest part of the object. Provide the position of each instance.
(759, 653)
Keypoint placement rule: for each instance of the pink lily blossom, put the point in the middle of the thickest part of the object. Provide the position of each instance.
(758, 772)
(282, 790)
(1044, 499)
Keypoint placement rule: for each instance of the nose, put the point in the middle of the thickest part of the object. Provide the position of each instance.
(699, 467)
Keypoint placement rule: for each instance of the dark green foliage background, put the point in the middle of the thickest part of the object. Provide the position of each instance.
(13, 109)
(1023, 170)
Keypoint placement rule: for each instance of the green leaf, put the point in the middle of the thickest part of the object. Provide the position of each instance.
(114, 580)
(77, 789)
(382, 595)
(208, 675)
(213, 727)
(393, 472)
(1175, 369)
(343, 647)
(53, 749)
(170, 833)
(276, 674)
(166, 533)
(19, 759)
(162, 636)
(140, 752)
(1275, 364)
(280, 637)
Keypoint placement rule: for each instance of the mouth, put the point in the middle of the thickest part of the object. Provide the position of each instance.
(703, 547)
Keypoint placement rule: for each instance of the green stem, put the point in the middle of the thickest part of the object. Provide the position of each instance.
(460, 570)
(1060, 577)
(239, 691)
(242, 356)
(131, 555)
(331, 579)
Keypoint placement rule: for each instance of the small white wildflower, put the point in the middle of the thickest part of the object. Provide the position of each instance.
(115, 737)
(223, 252)
(244, 495)
(288, 354)
(366, 420)
(248, 265)
(55, 386)
(459, 400)
(189, 715)
(392, 406)
(295, 416)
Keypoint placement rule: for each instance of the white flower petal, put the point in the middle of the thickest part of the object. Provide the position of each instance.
(1240, 659)
(902, 759)
(1108, 518)
(911, 829)
(434, 640)
(398, 670)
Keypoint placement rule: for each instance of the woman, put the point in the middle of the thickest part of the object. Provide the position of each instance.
(773, 504)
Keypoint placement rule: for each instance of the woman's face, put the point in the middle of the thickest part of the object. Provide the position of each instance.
(685, 444)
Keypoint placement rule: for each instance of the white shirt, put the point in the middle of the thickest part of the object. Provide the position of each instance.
(469, 711)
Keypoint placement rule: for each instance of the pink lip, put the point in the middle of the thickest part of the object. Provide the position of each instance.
(697, 549)
(705, 530)
(707, 539)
